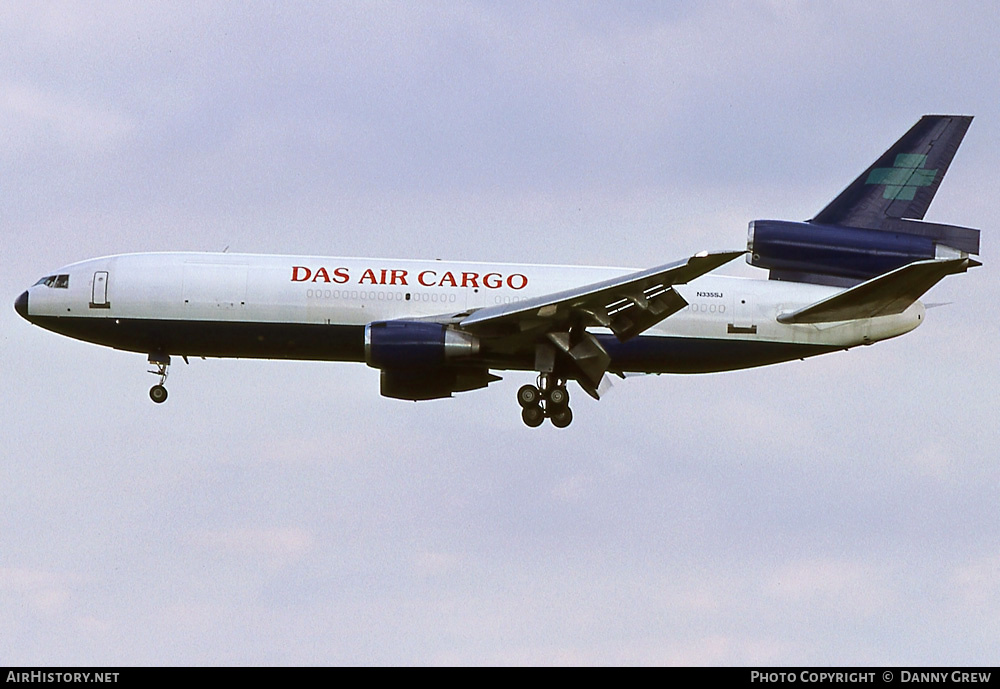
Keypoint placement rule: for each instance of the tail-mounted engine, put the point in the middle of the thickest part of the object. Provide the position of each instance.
(875, 225)
(806, 251)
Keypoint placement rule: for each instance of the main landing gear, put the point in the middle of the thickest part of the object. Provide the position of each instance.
(158, 393)
(549, 398)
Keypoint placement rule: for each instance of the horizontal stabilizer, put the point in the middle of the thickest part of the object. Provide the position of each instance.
(884, 295)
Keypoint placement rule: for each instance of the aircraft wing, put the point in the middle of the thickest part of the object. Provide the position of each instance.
(628, 305)
(884, 295)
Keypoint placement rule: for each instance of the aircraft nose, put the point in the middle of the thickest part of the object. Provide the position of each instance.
(21, 306)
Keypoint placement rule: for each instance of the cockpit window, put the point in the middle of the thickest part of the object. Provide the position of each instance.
(55, 281)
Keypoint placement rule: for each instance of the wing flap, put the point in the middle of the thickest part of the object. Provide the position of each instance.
(628, 304)
(885, 295)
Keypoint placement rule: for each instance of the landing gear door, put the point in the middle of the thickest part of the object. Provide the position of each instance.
(99, 295)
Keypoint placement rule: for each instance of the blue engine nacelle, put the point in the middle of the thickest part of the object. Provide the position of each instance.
(802, 248)
(407, 344)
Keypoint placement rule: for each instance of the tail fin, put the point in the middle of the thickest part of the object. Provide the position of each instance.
(903, 181)
(876, 224)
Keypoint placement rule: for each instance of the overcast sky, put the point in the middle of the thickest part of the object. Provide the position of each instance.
(840, 510)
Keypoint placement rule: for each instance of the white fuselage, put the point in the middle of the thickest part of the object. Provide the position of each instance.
(128, 301)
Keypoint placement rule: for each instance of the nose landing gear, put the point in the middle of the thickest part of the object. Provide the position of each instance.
(158, 393)
(549, 399)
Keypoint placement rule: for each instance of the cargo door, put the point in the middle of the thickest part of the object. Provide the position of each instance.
(743, 315)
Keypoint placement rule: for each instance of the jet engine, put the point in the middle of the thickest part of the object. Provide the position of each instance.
(407, 344)
(792, 250)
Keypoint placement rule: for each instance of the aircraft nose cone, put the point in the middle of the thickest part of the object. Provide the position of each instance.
(21, 306)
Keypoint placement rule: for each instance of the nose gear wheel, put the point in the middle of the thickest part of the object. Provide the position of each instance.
(158, 393)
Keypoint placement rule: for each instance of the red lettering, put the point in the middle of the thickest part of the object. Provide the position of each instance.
(493, 280)
(470, 279)
(449, 278)
(369, 275)
(382, 279)
(517, 277)
(302, 271)
(420, 278)
(340, 276)
(397, 277)
(321, 274)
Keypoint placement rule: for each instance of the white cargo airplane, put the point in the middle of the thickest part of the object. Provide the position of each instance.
(850, 276)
